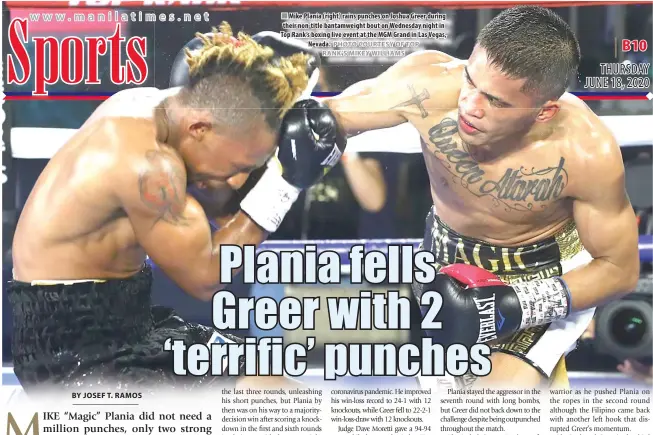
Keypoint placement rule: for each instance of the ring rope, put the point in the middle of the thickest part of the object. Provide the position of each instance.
(43, 143)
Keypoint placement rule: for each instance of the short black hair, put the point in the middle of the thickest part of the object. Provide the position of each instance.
(533, 43)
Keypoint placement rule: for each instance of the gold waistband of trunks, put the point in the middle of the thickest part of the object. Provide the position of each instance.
(568, 241)
(569, 244)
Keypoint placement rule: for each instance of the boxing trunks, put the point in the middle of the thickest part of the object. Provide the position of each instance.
(100, 334)
(542, 347)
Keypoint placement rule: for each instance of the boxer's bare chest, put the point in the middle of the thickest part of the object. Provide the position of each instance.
(527, 187)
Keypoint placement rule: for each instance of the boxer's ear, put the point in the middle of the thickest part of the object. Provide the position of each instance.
(548, 111)
(200, 123)
(199, 129)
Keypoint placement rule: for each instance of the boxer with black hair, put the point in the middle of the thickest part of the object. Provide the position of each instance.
(118, 192)
(531, 226)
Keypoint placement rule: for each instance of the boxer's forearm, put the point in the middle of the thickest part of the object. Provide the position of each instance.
(221, 215)
(239, 231)
(219, 207)
(600, 282)
(358, 113)
(366, 182)
(345, 122)
(222, 221)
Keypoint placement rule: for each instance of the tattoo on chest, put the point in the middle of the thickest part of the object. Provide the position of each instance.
(416, 100)
(519, 189)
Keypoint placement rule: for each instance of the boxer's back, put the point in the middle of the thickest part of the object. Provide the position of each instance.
(72, 226)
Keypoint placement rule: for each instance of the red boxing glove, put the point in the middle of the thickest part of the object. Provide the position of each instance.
(471, 276)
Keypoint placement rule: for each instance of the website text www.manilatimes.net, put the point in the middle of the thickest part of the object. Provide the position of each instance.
(118, 17)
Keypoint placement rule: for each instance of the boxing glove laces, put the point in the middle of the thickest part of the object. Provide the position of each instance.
(310, 144)
(477, 306)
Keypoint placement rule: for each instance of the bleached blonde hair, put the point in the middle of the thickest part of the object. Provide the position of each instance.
(229, 62)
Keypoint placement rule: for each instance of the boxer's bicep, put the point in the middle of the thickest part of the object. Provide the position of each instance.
(364, 106)
(177, 244)
(378, 102)
(413, 88)
(168, 224)
(604, 216)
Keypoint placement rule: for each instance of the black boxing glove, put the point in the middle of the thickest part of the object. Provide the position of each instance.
(478, 307)
(310, 144)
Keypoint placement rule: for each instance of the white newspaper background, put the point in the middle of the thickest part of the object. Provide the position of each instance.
(324, 408)
(316, 406)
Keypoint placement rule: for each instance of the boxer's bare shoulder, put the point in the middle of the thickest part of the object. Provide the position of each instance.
(121, 134)
(149, 179)
(411, 89)
(155, 185)
(590, 148)
(82, 190)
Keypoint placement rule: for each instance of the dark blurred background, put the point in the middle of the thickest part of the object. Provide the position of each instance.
(397, 199)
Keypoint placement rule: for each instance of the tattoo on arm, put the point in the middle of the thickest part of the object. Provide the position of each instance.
(162, 188)
(416, 99)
